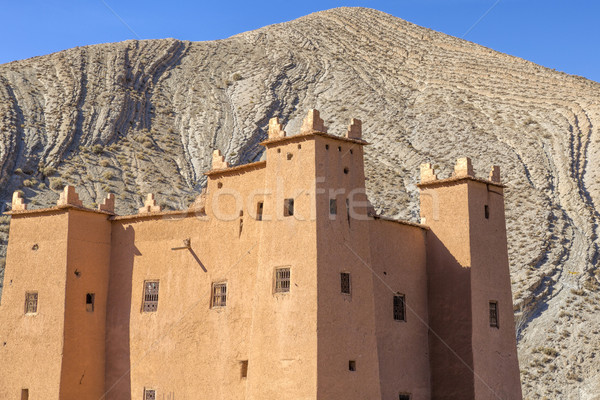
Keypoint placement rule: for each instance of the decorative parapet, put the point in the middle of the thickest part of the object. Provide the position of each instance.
(18, 202)
(427, 173)
(313, 122)
(69, 197)
(354, 129)
(149, 205)
(276, 129)
(495, 174)
(463, 167)
(218, 160)
(108, 205)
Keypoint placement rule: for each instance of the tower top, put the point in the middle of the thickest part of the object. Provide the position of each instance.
(463, 169)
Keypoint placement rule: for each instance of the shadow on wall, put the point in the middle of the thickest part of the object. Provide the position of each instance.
(118, 310)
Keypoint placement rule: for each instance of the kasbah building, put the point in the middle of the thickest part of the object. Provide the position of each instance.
(279, 282)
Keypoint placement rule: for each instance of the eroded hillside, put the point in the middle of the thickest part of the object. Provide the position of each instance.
(144, 116)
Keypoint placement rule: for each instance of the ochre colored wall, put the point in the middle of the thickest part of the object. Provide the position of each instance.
(446, 211)
(88, 254)
(31, 346)
(399, 264)
(494, 349)
(346, 324)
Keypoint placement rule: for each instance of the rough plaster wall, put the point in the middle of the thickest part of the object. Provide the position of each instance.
(142, 116)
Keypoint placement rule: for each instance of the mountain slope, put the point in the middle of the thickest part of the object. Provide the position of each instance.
(144, 116)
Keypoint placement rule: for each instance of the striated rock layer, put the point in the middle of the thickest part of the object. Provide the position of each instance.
(141, 116)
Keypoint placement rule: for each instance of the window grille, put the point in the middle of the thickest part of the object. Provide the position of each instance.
(288, 207)
(31, 302)
(332, 206)
(259, 211)
(399, 308)
(494, 314)
(345, 282)
(282, 280)
(149, 394)
(150, 296)
(219, 295)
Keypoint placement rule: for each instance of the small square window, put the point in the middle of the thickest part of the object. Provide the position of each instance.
(149, 394)
(288, 207)
(345, 282)
(244, 369)
(282, 280)
(351, 365)
(219, 295)
(494, 314)
(399, 308)
(31, 302)
(404, 396)
(89, 302)
(259, 210)
(332, 206)
(150, 296)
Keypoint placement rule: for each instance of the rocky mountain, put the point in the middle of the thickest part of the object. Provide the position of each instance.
(144, 116)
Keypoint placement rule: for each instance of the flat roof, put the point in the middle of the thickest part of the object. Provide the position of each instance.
(453, 179)
(257, 164)
(309, 134)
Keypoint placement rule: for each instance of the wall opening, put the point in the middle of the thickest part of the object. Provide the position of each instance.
(288, 207)
(241, 224)
(326, 147)
(259, 210)
(150, 296)
(282, 280)
(299, 146)
(289, 156)
(486, 211)
(346, 170)
(399, 307)
(494, 314)
(31, 302)
(220, 185)
(24, 394)
(89, 302)
(351, 365)
(345, 282)
(219, 294)
(340, 149)
(348, 211)
(244, 369)
(404, 396)
(332, 206)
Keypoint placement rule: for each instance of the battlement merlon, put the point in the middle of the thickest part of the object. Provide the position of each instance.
(18, 202)
(463, 169)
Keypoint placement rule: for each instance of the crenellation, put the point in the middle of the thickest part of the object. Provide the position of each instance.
(313, 123)
(495, 174)
(218, 160)
(70, 197)
(108, 205)
(275, 129)
(18, 202)
(354, 129)
(149, 205)
(428, 173)
(463, 168)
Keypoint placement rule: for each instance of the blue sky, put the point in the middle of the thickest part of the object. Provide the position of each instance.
(559, 34)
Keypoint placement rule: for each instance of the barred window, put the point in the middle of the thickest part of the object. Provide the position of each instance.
(219, 295)
(150, 296)
(494, 314)
(345, 282)
(282, 280)
(149, 394)
(288, 207)
(399, 308)
(31, 302)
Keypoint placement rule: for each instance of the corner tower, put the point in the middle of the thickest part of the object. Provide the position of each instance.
(473, 352)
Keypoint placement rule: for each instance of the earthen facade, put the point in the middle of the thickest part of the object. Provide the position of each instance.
(279, 282)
